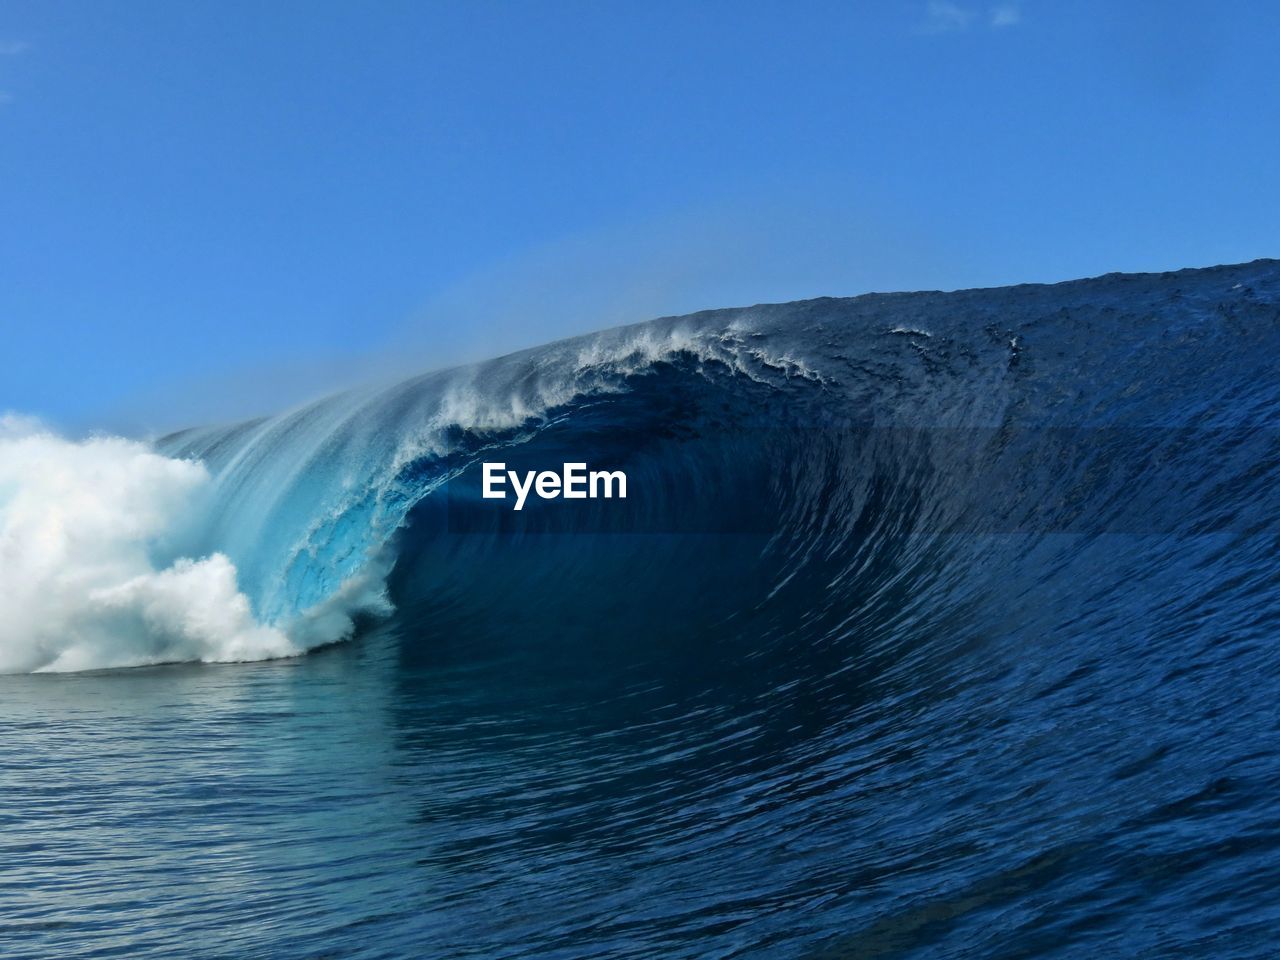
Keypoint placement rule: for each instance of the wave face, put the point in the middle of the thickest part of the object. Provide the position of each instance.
(932, 625)
(854, 438)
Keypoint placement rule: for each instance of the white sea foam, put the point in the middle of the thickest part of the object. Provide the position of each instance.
(87, 576)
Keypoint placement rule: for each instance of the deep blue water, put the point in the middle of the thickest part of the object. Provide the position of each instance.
(934, 625)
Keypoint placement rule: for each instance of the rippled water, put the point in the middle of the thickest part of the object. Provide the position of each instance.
(501, 794)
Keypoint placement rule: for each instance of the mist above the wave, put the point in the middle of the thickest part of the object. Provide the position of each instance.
(748, 248)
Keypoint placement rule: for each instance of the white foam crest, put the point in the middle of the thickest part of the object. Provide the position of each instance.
(558, 376)
(87, 574)
(592, 367)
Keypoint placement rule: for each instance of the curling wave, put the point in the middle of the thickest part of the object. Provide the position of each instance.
(824, 468)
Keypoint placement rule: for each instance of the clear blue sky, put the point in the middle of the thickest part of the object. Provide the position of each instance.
(242, 199)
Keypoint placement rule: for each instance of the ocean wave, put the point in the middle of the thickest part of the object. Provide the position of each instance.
(840, 439)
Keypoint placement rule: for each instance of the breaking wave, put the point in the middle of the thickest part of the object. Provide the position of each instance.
(861, 455)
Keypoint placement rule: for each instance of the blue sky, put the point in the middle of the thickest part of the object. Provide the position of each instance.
(208, 208)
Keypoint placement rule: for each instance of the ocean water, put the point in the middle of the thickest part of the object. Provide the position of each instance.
(933, 625)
